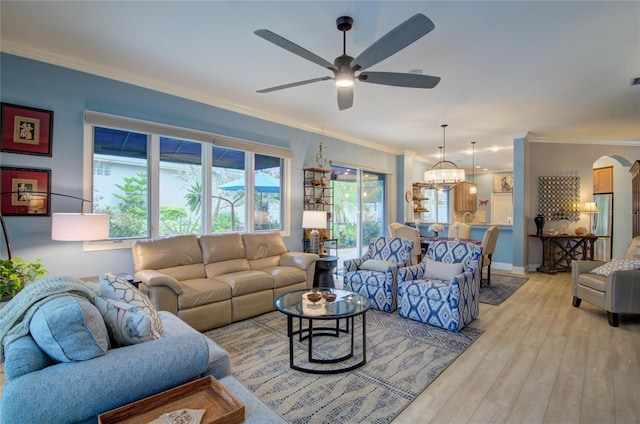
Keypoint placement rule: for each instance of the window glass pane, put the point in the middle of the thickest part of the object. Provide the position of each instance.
(438, 205)
(120, 181)
(228, 190)
(373, 207)
(180, 187)
(267, 198)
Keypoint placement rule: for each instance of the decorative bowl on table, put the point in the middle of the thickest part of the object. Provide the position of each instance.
(314, 297)
(329, 296)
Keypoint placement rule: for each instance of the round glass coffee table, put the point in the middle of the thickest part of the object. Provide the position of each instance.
(334, 305)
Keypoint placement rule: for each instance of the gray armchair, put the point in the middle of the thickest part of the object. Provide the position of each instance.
(618, 292)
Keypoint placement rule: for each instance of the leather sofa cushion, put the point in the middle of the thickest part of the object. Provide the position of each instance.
(245, 282)
(284, 276)
(222, 247)
(226, 267)
(166, 252)
(593, 281)
(263, 245)
(185, 272)
(202, 291)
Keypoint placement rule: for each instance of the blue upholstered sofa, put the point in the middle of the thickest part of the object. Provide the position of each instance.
(40, 389)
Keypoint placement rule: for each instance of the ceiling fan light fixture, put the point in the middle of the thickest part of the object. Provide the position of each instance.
(344, 80)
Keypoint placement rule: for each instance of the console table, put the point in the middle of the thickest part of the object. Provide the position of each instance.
(558, 251)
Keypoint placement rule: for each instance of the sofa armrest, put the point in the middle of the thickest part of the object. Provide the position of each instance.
(153, 278)
(622, 294)
(580, 267)
(298, 259)
(77, 391)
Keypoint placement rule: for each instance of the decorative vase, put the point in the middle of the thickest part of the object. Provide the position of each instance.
(435, 234)
(539, 220)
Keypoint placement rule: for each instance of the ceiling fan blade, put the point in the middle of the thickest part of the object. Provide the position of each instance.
(345, 97)
(293, 48)
(399, 79)
(394, 41)
(293, 84)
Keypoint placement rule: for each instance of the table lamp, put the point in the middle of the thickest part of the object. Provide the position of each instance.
(314, 220)
(591, 208)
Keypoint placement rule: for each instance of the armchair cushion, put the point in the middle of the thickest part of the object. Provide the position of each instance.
(441, 270)
(377, 265)
(616, 265)
(69, 328)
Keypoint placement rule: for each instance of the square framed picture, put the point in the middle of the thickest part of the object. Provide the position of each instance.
(26, 130)
(503, 182)
(25, 192)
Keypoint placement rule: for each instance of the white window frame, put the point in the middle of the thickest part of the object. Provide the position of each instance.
(155, 131)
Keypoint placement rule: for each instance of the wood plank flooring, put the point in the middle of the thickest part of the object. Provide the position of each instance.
(539, 360)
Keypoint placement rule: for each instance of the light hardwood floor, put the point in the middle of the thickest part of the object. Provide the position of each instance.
(539, 360)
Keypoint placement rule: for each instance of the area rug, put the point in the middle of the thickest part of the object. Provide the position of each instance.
(502, 286)
(403, 358)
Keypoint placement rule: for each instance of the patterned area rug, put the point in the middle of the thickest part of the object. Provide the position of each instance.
(403, 358)
(502, 286)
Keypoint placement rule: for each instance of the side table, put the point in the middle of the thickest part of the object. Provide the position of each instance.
(325, 267)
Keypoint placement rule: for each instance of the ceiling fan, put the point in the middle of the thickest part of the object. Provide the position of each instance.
(344, 67)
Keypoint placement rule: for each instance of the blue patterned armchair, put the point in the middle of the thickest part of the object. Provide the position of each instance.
(443, 289)
(374, 275)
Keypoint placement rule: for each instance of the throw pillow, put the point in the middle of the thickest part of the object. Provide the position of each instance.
(616, 265)
(441, 270)
(127, 324)
(69, 328)
(24, 356)
(377, 265)
(116, 288)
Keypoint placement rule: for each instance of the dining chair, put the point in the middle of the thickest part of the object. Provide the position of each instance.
(463, 231)
(489, 241)
(412, 234)
(393, 227)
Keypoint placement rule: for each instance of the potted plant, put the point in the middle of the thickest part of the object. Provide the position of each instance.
(15, 273)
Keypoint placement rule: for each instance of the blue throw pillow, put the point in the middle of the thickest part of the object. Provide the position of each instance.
(69, 328)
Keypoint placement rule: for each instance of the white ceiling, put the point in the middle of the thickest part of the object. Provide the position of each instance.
(559, 71)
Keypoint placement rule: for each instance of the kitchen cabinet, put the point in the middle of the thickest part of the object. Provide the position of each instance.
(463, 199)
(603, 180)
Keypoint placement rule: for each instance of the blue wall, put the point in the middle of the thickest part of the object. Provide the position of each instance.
(69, 93)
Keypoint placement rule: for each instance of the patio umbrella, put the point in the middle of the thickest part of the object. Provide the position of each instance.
(264, 183)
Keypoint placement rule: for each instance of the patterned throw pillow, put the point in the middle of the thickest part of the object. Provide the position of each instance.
(126, 323)
(116, 288)
(616, 265)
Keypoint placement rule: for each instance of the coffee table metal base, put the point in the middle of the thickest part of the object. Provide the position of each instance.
(311, 332)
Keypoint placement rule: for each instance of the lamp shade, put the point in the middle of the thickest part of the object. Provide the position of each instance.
(590, 207)
(436, 176)
(314, 219)
(79, 226)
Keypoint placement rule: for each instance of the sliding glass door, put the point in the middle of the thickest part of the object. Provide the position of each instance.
(359, 209)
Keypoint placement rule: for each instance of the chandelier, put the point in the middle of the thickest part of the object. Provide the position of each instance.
(444, 175)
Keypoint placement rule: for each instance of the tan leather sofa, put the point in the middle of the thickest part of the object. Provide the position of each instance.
(214, 280)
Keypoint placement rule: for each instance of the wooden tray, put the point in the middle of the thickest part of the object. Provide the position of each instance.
(206, 393)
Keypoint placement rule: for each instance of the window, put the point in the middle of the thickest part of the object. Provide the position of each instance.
(152, 179)
(438, 205)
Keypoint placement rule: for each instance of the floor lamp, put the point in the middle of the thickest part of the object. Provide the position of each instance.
(64, 226)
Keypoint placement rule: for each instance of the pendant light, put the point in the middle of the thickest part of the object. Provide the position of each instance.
(474, 188)
(445, 174)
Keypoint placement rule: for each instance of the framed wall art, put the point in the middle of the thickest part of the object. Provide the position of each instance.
(503, 182)
(26, 130)
(22, 190)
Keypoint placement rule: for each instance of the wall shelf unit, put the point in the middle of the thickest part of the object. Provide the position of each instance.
(318, 196)
(419, 201)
